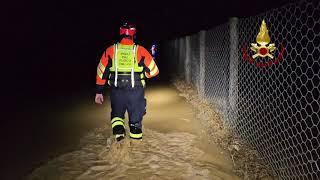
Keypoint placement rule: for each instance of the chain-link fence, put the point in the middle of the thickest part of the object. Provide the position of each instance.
(272, 102)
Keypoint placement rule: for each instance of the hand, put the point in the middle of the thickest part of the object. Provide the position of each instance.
(99, 99)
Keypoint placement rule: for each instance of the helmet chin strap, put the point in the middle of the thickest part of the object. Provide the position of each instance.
(126, 37)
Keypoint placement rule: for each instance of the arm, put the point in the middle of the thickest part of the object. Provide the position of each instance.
(102, 73)
(146, 60)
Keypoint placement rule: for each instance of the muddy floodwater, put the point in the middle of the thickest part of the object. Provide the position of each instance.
(173, 147)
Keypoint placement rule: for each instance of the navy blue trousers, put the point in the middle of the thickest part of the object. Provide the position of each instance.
(131, 100)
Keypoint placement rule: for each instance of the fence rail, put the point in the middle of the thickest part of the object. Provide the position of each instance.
(272, 103)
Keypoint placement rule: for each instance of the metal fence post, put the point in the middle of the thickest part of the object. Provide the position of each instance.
(233, 68)
(202, 72)
(187, 60)
(182, 57)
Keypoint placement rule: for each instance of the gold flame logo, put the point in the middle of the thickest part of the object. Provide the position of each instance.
(263, 37)
(261, 48)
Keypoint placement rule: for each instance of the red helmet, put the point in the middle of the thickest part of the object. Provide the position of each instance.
(128, 30)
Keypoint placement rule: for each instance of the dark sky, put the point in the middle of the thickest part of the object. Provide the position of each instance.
(89, 20)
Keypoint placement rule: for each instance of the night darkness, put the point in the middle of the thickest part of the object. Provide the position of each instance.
(50, 53)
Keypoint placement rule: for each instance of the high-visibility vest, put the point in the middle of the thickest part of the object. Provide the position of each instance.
(125, 58)
(125, 61)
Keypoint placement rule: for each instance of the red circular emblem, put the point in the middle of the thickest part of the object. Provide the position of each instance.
(263, 51)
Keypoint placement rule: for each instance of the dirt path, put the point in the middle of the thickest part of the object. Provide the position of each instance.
(172, 148)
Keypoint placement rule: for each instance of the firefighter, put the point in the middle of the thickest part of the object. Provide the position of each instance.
(153, 51)
(125, 66)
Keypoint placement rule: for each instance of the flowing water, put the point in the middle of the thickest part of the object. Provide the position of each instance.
(173, 147)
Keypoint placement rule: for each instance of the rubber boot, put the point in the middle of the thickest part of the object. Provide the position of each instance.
(135, 132)
(119, 132)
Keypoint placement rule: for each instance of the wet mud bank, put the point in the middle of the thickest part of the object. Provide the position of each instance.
(246, 161)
